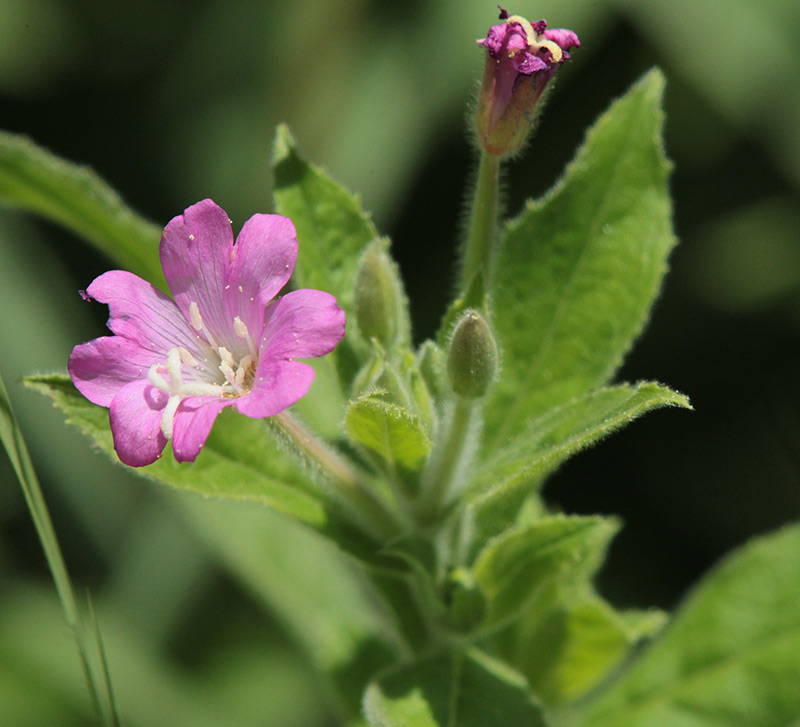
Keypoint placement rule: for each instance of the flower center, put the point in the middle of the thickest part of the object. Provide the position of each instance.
(223, 373)
(536, 40)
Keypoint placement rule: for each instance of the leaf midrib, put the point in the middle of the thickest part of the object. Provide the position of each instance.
(560, 310)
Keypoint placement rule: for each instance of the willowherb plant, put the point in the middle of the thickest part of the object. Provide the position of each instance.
(424, 464)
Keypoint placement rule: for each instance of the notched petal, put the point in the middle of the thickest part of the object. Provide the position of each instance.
(302, 324)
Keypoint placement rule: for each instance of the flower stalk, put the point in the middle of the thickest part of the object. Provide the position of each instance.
(479, 248)
(448, 462)
(352, 487)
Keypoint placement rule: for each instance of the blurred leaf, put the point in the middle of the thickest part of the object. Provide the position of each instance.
(731, 656)
(343, 628)
(580, 268)
(514, 567)
(501, 484)
(241, 683)
(240, 461)
(73, 196)
(750, 259)
(89, 643)
(465, 689)
(389, 430)
(36, 42)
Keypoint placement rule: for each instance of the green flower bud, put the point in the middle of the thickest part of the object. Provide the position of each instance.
(379, 297)
(472, 358)
(379, 374)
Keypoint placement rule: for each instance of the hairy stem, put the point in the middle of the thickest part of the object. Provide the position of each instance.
(353, 488)
(479, 248)
(448, 462)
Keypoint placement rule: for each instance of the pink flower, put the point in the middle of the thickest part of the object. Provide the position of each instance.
(522, 58)
(173, 365)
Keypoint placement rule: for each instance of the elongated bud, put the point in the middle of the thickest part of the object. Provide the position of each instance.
(379, 296)
(521, 59)
(472, 357)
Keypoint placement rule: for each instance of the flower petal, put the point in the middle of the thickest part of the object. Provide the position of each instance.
(563, 38)
(192, 424)
(195, 254)
(302, 324)
(261, 264)
(100, 368)
(135, 415)
(141, 313)
(278, 384)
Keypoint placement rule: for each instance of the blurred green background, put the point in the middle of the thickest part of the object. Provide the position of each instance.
(172, 102)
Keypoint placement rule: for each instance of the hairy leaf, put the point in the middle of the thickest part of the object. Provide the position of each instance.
(731, 656)
(389, 430)
(581, 268)
(74, 196)
(332, 228)
(240, 461)
(513, 568)
(503, 482)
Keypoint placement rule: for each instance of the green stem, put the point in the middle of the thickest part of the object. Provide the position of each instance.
(438, 479)
(479, 248)
(352, 487)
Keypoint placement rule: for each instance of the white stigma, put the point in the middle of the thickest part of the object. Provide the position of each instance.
(235, 377)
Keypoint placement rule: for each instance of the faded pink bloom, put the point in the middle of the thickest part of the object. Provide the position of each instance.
(173, 365)
(522, 58)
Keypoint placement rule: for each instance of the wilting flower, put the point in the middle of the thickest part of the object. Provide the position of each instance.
(173, 365)
(522, 58)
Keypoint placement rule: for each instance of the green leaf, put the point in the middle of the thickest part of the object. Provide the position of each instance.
(513, 568)
(580, 269)
(240, 461)
(731, 656)
(73, 196)
(389, 430)
(566, 650)
(332, 228)
(501, 484)
(332, 232)
(464, 689)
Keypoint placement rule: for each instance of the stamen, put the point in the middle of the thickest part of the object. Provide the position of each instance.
(197, 323)
(553, 47)
(195, 318)
(230, 376)
(226, 356)
(240, 329)
(530, 34)
(246, 365)
(188, 359)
